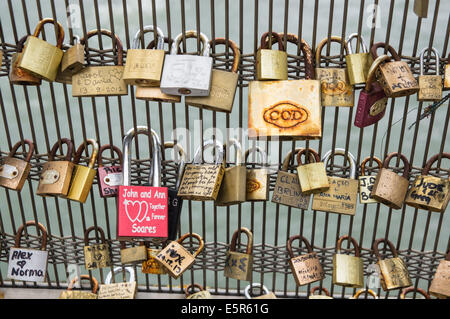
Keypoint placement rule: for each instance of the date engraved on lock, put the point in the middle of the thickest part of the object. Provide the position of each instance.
(285, 114)
(8, 171)
(50, 176)
(378, 107)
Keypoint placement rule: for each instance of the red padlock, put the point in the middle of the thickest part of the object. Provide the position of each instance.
(109, 177)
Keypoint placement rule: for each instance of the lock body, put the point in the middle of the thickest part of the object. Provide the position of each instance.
(429, 193)
(150, 265)
(201, 182)
(81, 183)
(358, 65)
(335, 87)
(204, 294)
(348, 271)
(440, 286)
(109, 180)
(371, 106)
(365, 189)
(143, 67)
(397, 79)
(430, 88)
(271, 65)
(287, 191)
(97, 256)
(77, 294)
(133, 255)
(13, 173)
(34, 269)
(175, 258)
(340, 198)
(55, 178)
(155, 94)
(118, 290)
(313, 177)
(394, 274)
(390, 188)
(233, 188)
(306, 269)
(238, 266)
(73, 59)
(257, 185)
(447, 76)
(99, 81)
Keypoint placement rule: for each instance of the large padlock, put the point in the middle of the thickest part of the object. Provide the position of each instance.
(118, 290)
(203, 181)
(28, 264)
(393, 271)
(366, 181)
(447, 74)
(56, 175)
(101, 80)
(430, 192)
(177, 259)
(80, 294)
(430, 86)
(271, 64)
(325, 295)
(18, 76)
(395, 76)
(187, 74)
(348, 270)
(408, 290)
(223, 84)
(14, 171)
(342, 195)
(372, 100)
(132, 255)
(334, 84)
(151, 266)
(358, 64)
(144, 67)
(239, 265)
(265, 293)
(41, 58)
(389, 187)
(440, 286)
(190, 292)
(109, 177)
(142, 210)
(257, 180)
(96, 255)
(305, 268)
(83, 176)
(365, 292)
(73, 59)
(312, 176)
(233, 189)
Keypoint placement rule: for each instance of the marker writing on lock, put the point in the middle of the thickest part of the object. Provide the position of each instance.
(18, 254)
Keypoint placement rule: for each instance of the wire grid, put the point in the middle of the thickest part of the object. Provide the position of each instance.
(49, 112)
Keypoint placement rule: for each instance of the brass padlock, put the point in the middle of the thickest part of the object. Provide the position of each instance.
(393, 271)
(119, 290)
(312, 176)
(14, 171)
(440, 286)
(73, 59)
(447, 74)
(18, 76)
(348, 270)
(271, 64)
(342, 195)
(190, 293)
(101, 80)
(151, 266)
(239, 265)
(430, 86)
(358, 64)
(96, 255)
(422, 292)
(56, 175)
(326, 294)
(365, 291)
(366, 181)
(265, 293)
(257, 181)
(430, 192)
(334, 83)
(132, 255)
(395, 76)
(233, 189)
(390, 188)
(305, 268)
(41, 58)
(223, 84)
(83, 176)
(177, 259)
(79, 294)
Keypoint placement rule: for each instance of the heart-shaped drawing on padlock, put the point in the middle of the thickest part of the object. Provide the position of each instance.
(21, 263)
(136, 210)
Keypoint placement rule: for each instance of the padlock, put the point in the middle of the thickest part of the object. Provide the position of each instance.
(365, 291)
(430, 86)
(421, 8)
(271, 64)
(395, 77)
(233, 189)
(312, 176)
(430, 192)
(393, 271)
(202, 181)
(41, 58)
(14, 171)
(440, 286)
(28, 264)
(142, 210)
(109, 177)
(257, 180)
(73, 59)
(447, 74)
(18, 76)
(390, 188)
(366, 182)
(358, 64)
(144, 67)
(326, 295)
(422, 292)
(177, 259)
(266, 294)
(334, 83)
(342, 195)
(132, 255)
(101, 80)
(187, 74)
(239, 265)
(223, 84)
(151, 266)
(96, 255)
(287, 189)
(83, 176)
(118, 290)
(348, 270)
(56, 175)
(79, 294)
(190, 293)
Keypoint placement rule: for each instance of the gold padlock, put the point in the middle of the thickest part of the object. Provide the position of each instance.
(265, 293)
(96, 255)
(312, 176)
(358, 64)
(73, 59)
(430, 86)
(366, 181)
(239, 265)
(440, 286)
(348, 270)
(326, 294)
(422, 292)
(151, 266)
(14, 172)
(447, 74)
(257, 181)
(79, 294)
(41, 58)
(18, 76)
(365, 291)
(83, 176)
(132, 255)
(271, 64)
(190, 293)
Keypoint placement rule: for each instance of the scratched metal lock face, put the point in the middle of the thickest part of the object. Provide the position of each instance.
(238, 266)
(175, 258)
(394, 274)
(97, 256)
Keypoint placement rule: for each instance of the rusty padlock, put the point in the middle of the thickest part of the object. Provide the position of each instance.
(18, 76)
(366, 181)
(440, 286)
(96, 255)
(257, 180)
(151, 266)
(239, 265)
(325, 295)
(79, 294)
(271, 64)
(14, 171)
(109, 177)
(430, 86)
(348, 270)
(265, 293)
(408, 290)
(190, 293)
(358, 64)
(312, 176)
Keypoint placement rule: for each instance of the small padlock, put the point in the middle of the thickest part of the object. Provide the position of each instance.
(430, 86)
(271, 64)
(118, 290)
(440, 286)
(151, 266)
(390, 188)
(132, 255)
(447, 74)
(14, 172)
(109, 177)
(421, 8)
(56, 175)
(73, 59)
(364, 291)
(223, 84)
(348, 270)
(395, 76)
(305, 268)
(335, 86)
(177, 259)
(422, 292)
(326, 294)
(312, 176)
(96, 255)
(239, 265)
(187, 74)
(358, 64)
(265, 293)
(372, 100)
(18, 76)
(430, 192)
(366, 182)
(257, 180)
(190, 293)
(79, 294)
(393, 271)
(83, 176)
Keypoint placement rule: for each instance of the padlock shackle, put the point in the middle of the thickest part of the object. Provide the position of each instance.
(82, 147)
(237, 146)
(96, 229)
(402, 158)
(252, 286)
(363, 163)
(151, 45)
(362, 43)
(112, 147)
(371, 75)
(307, 53)
(57, 145)
(219, 152)
(191, 34)
(377, 242)
(313, 156)
(421, 59)
(149, 28)
(27, 224)
(354, 242)
(19, 144)
(120, 269)
(59, 30)
(192, 288)
(287, 159)
(341, 151)
(431, 161)
(108, 33)
(361, 291)
(322, 289)
(234, 47)
(196, 236)
(324, 42)
(249, 240)
(86, 277)
(265, 44)
(258, 150)
(390, 49)
(412, 289)
(301, 238)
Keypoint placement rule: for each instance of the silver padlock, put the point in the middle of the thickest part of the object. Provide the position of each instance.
(188, 75)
